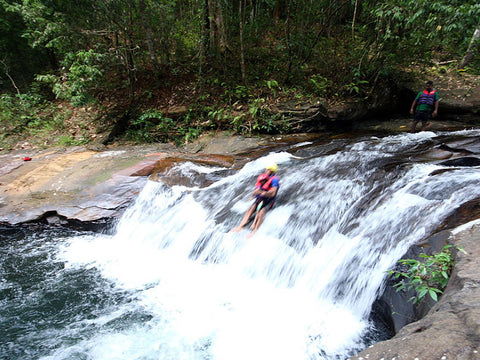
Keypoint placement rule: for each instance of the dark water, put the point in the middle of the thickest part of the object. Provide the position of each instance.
(40, 300)
(171, 282)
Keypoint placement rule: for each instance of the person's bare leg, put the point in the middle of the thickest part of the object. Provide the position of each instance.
(259, 220)
(414, 125)
(245, 219)
(255, 221)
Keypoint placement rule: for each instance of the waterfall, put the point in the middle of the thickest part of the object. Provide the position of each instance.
(301, 288)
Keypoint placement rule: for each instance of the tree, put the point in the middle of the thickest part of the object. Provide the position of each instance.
(19, 62)
(472, 48)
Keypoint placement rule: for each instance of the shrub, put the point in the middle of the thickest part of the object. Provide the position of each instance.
(429, 275)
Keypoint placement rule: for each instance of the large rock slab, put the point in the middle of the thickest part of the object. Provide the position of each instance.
(84, 185)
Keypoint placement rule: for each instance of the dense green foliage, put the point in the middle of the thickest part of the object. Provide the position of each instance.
(428, 275)
(29, 118)
(239, 51)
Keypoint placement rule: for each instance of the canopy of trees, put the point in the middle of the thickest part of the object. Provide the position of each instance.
(72, 44)
(81, 49)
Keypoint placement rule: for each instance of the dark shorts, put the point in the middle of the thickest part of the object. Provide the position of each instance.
(267, 203)
(422, 116)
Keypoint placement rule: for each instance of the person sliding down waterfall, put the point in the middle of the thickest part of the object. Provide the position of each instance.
(265, 192)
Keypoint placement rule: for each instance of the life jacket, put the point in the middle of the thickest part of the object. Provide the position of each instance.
(260, 178)
(427, 98)
(268, 185)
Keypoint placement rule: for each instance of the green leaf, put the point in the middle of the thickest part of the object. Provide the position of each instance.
(422, 293)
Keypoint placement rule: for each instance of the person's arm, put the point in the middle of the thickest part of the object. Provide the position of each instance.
(435, 105)
(435, 110)
(412, 109)
(268, 194)
(257, 191)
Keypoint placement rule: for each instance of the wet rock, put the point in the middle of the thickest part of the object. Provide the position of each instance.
(467, 212)
(437, 154)
(167, 163)
(454, 150)
(223, 143)
(464, 146)
(463, 161)
(402, 311)
(348, 112)
(84, 185)
(55, 220)
(451, 329)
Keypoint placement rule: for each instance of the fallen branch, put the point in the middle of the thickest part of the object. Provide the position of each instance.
(8, 75)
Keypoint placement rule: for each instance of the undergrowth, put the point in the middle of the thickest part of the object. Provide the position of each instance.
(428, 275)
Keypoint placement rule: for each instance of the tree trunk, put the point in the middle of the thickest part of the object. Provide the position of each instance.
(204, 39)
(148, 34)
(276, 13)
(211, 22)
(129, 52)
(354, 18)
(218, 37)
(472, 47)
(242, 50)
(10, 78)
(222, 33)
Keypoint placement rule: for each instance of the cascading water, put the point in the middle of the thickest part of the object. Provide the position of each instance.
(174, 283)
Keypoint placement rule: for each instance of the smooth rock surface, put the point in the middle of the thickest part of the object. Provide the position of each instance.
(82, 184)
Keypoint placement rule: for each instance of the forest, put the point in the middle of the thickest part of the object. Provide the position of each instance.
(169, 70)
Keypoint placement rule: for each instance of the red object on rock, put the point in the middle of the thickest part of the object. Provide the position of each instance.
(27, 158)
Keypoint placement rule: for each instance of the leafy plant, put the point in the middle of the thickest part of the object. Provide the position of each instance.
(255, 107)
(151, 126)
(190, 134)
(217, 114)
(355, 87)
(427, 276)
(319, 84)
(66, 140)
(18, 111)
(272, 85)
(238, 123)
(234, 93)
(82, 73)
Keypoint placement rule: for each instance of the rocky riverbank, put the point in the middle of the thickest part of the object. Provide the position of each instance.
(451, 329)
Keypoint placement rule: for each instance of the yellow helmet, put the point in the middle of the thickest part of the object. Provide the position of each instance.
(272, 167)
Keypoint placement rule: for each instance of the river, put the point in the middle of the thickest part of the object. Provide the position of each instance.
(171, 282)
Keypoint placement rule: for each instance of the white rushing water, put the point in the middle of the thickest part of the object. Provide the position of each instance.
(301, 288)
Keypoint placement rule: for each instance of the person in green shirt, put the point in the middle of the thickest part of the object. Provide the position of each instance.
(425, 106)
